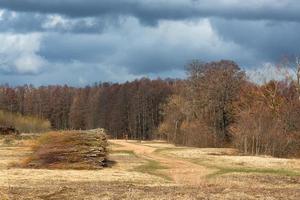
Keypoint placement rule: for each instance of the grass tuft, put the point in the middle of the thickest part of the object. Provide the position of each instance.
(152, 167)
(129, 152)
(228, 170)
(279, 172)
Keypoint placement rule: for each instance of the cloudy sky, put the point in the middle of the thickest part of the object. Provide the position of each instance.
(80, 42)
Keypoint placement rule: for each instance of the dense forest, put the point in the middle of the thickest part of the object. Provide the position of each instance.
(132, 109)
(215, 106)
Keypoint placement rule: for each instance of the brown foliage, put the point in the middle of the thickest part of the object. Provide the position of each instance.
(132, 108)
(216, 107)
(268, 120)
(202, 110)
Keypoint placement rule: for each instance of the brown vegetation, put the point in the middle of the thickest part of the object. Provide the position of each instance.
(69, 150)
(200, 113)
(24, 124)
(217, 107)
(268, 120)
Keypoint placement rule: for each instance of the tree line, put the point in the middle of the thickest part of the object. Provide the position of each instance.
(132, 108)
(215, 106)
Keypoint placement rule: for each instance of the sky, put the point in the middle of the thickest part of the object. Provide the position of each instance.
(80, 42)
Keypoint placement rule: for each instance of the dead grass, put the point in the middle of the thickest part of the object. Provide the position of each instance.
(158, 145)
(128, 191)
(132, 177)
(114, 145)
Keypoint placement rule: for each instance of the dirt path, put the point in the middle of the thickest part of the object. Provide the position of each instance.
(181, 171)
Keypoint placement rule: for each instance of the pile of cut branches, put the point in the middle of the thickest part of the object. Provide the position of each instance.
(69, 150)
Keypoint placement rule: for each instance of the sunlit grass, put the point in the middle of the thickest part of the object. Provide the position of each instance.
(152, 167)
(221, 170)
(111, 144)
(279, 172)
(166, 149)
(129, 152)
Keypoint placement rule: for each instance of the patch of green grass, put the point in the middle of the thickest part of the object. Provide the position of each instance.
(152, 167)
(129, 152)
(8, 141)
(279, 172)
(228, 170)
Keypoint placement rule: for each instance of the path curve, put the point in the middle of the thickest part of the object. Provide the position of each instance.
(181, 171)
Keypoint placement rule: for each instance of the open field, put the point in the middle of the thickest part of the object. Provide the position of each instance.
(154, 170)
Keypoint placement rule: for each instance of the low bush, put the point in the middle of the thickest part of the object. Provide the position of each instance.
(8, 140)
(24, 124)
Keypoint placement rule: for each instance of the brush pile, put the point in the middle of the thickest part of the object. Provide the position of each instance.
(69, 150)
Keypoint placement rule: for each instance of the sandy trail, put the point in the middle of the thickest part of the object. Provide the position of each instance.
(181, 171)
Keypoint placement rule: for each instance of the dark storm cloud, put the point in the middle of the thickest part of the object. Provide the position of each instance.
(270, 40)
(150, 11)
(84, 41)
(83, 47)
(141, 50)
(23, 22)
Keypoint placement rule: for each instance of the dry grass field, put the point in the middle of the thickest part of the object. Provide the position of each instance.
(153, 170)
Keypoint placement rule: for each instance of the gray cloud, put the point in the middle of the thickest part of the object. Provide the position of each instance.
(270, 40)
(149, 11)
(140, 49)
(84, 41)
(34, 22)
